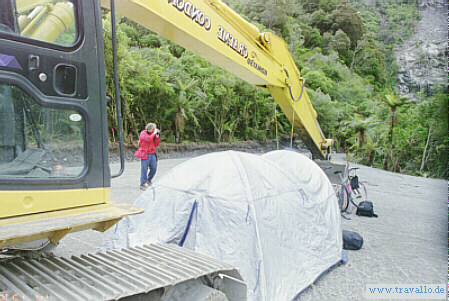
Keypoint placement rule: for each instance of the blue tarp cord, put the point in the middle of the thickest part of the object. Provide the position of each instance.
(344, 257)
(319, 276)
(154, 193)
(258, 276)
(181, 242)
(304, 196)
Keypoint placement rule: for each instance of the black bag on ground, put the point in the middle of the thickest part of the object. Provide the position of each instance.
(366, 208)
(355, 182)
(352, 240)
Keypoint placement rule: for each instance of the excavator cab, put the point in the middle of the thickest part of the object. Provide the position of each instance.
(54, 164)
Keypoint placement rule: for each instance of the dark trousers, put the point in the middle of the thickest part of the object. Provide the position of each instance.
(145, 174)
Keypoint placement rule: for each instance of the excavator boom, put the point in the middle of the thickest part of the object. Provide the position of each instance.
(215, 32)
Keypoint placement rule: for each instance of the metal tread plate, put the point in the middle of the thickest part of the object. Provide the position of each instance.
(107, 275)
(21, 229)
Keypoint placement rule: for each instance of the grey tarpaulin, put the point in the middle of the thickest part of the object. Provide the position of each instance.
(304, 172)
(281, 232)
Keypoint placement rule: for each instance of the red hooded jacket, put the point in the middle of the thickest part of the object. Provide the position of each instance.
(147, 145)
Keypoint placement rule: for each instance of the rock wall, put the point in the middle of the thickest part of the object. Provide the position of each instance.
(423, 58)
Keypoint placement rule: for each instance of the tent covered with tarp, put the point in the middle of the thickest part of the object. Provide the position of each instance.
(305, 172)
(247, 211)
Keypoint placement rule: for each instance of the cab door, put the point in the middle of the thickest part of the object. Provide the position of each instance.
(53, 127)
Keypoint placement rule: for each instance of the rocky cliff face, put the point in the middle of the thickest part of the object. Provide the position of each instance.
(423, 58)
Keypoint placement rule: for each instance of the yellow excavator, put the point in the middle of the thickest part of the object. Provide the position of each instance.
(54, 165)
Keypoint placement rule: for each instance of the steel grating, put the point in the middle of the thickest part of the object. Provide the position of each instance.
(107, 275)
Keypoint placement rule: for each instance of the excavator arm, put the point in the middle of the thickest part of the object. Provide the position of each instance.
(215, 32)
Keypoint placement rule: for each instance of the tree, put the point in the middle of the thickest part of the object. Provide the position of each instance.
(322, 20)
(338, 42)
(347, 19)
(393, 101)
(368, 61)
(312, 37)
(361, 125)
(184, 105)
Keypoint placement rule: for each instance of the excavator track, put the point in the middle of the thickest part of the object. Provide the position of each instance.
(110, 275)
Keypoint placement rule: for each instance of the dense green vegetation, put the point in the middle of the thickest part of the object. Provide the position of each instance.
(345, 52)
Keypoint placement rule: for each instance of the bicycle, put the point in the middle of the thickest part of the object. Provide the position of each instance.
(357, 187)
(346, 184)
(354, 190)
(342, 196)
(340, 190)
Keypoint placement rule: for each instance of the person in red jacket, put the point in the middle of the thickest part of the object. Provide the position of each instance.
(149, 139)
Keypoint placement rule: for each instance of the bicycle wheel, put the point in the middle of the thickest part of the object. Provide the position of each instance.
(342, 195)
(360, 194)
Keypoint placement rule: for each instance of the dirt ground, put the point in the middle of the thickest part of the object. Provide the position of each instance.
(406, 244)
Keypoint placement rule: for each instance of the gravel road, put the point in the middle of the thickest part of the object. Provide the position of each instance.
(406, 244)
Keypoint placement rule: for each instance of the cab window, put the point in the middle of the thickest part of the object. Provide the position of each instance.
(38, 141)
(42, 20)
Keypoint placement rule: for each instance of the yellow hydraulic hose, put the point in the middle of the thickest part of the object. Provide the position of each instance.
(55, 23)
(24, 20)
(31, 20)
